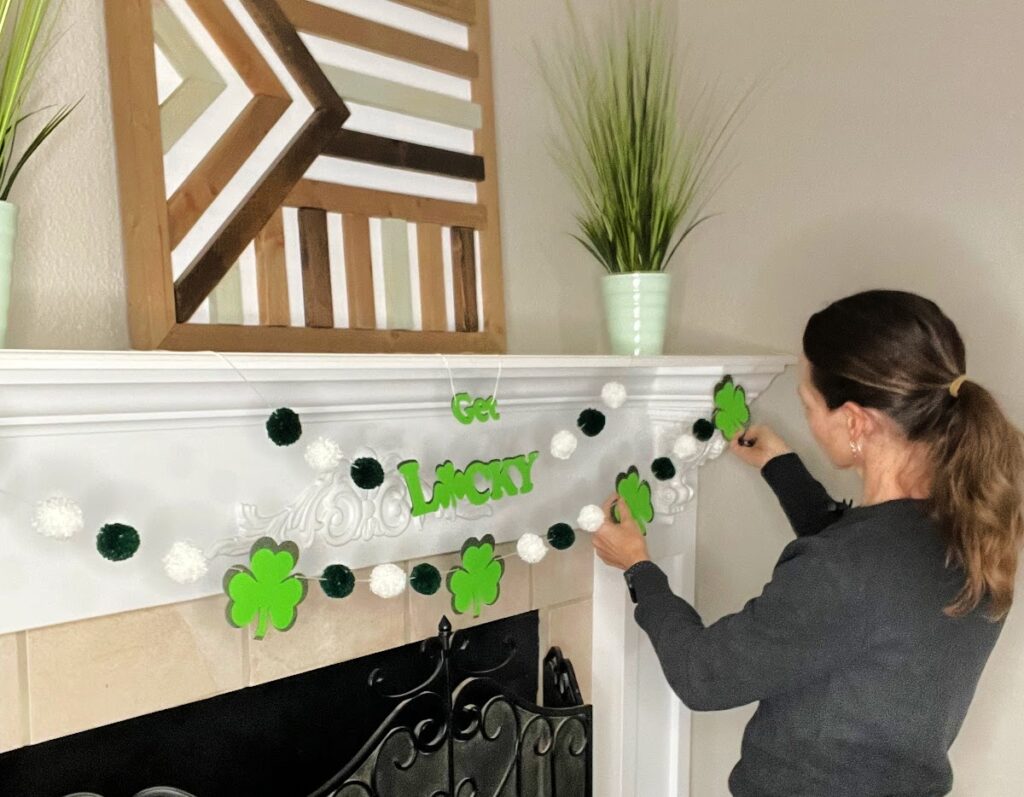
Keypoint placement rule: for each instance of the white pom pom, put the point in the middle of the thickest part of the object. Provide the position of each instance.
(687, 447)
(387, 581)
(323, 455)
(614, 394)
(591, 517)
(185, 563)
(563, 444)
(717, 444)
(58, 517)
(531, 548)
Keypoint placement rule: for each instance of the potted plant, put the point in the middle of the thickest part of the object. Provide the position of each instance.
(23, 26)
(642, 169)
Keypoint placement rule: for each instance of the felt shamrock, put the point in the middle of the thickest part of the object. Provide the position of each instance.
(637, 495)
(268, 592)
(731, 411)
(477, 582)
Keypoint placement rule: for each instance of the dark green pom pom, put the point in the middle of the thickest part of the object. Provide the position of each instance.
(337, 581)
(117, 542)
(663, 469)
(367, 473)
(425, 579)
(703, 430)
(561, 536)
(284, 427)
(591, 422)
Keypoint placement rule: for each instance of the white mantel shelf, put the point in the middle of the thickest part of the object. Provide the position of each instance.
(62, 391)
(174, 444)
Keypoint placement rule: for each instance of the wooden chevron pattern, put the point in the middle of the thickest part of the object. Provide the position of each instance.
(340, 207)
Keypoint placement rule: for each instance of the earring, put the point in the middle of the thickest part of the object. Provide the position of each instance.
(855, 448)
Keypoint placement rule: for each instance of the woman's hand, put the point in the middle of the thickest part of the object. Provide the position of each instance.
(620, 544)
(767, 445)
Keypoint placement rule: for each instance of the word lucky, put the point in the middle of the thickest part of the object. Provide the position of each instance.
(453, 485)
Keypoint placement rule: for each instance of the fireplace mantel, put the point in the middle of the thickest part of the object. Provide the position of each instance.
(174, 444)
(55, 392)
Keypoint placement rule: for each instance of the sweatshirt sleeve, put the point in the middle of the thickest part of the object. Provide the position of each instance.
(807, 504)
(806, 622)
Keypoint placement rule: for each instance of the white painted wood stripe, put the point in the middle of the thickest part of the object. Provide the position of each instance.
(386, 178)
(167, 79)
(380, 305)
(339, 281)
(405, 18)
(449, 285)
(380, 122)
(293, 267)
(250, 287)
(346, 56)
(411, 100)
(414, 276)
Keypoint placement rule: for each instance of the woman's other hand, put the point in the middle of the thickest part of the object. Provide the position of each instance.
(620, 544)
(767, 445)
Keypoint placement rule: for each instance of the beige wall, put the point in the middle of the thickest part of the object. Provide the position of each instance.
(883, 150)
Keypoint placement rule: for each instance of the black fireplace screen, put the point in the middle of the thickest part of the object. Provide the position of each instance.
(451, 716)
(469, 739)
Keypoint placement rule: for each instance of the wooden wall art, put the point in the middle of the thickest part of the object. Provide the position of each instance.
(307, 176)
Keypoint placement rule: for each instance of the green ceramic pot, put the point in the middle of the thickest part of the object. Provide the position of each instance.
(636, 310)
(8, 231)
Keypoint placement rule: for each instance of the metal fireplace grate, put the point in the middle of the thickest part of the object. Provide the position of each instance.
(451, 716)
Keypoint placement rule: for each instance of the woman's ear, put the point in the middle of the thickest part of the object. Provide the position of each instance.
(860, 422)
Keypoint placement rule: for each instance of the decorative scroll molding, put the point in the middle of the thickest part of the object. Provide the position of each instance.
(331, 511)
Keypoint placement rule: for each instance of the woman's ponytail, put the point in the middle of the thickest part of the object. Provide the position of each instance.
(899, 353)
(977, 497)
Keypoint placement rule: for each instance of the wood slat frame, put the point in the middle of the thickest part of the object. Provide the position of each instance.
(328, 23)
(156, 310)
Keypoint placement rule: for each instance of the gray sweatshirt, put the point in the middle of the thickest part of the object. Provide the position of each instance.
(862, 681)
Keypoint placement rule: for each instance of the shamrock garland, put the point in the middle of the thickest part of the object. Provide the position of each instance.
(267, 592)
(476, 582)
(637, 495)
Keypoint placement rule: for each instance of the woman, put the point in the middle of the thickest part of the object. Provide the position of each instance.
(865, 648)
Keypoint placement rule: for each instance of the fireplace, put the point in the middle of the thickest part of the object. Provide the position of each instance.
(175, 444)
(451, 715)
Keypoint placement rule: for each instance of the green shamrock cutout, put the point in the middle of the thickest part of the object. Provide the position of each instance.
(269, 592)
(731, 411)
(477, 582)
(637, 494)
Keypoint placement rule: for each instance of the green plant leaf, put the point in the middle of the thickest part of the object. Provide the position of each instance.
(476, 582)
(636, 492)
(267, 592)
(642, 166)
(731, 410)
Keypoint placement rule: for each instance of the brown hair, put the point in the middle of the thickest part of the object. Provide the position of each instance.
(898, 352)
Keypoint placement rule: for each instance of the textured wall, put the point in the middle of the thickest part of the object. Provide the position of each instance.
(67, 287)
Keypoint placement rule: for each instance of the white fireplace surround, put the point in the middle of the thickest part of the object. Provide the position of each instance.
(173, 443)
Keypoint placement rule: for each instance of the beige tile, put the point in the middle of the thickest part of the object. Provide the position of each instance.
(328, 631)
(563, 576)
(425, 611)
(570, 627)
(12, 719)
(93, 672)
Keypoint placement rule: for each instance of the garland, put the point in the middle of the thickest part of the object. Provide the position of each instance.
(267, 590)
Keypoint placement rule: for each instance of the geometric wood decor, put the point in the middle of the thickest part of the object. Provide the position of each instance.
(307, 176)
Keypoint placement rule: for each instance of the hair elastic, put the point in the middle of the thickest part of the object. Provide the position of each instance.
(956, 384)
